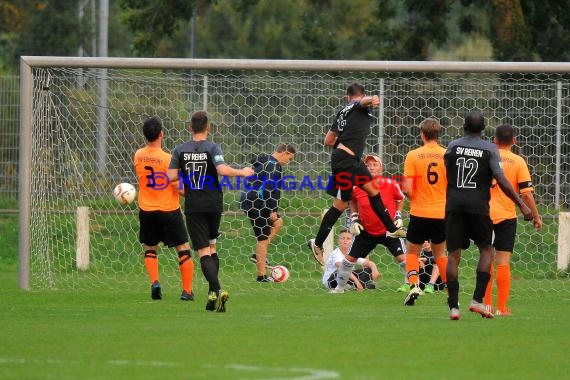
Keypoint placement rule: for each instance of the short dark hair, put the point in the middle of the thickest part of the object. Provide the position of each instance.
(152, 128)
(286, 147)
(199, 121)
(430, 128)
(355, 89)
(505, 134)
(474, 122)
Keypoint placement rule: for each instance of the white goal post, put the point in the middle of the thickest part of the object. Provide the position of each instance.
(77, 142)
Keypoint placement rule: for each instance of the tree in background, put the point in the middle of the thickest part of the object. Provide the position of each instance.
(517, 30)
(51, 28)
(407, 30)
(151, 21)
(548, 24)
(12, 17)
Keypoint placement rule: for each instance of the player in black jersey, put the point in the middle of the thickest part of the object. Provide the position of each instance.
(471, 165)
(347, 136)
(199, 162)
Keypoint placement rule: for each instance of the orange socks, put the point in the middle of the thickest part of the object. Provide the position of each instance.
(186, 266)
(441, 263)
(503, 286)
(151, 264)
(412, 268)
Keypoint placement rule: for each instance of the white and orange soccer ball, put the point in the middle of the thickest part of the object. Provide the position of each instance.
(280, 273)
(125, 193)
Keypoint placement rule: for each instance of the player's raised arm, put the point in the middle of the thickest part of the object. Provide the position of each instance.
(368, 101)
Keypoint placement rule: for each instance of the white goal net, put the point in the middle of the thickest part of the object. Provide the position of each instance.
(82, 123)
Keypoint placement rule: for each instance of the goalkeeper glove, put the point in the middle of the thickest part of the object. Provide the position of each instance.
(355, 227)
(398, 222)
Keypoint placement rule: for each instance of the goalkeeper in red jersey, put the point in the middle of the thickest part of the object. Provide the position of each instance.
(369, 231)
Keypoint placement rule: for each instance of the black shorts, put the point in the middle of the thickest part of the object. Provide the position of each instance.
(260, 222)
(364, 243)
(203, 227)
(461, 226)
(347, 171)
(422, 229)
(162, 226)
(504, 235)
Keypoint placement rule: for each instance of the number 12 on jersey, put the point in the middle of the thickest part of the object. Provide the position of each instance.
(466, 169)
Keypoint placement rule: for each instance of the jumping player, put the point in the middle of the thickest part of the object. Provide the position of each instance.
(347, 136)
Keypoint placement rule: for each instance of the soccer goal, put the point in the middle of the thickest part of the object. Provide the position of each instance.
(81, 124)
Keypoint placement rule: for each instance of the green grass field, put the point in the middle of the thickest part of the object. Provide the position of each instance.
(102, 334)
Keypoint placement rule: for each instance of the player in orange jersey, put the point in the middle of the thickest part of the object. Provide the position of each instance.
(160, 218)
(504, 216)
(425, 185)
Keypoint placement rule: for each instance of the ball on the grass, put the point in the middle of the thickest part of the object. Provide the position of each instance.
(124, 193)
(280, 273)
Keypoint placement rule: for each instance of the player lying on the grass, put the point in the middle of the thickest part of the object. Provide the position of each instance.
(504, 216)
(261, 202)
(347, 136)
(160, 217)
(359, 279)
(471, 164)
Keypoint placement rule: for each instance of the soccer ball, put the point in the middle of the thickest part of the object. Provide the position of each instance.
(280, 273)
(124, 193)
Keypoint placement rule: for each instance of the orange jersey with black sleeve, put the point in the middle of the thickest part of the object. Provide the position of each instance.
(517, 173)
(156, 192)
(426, 168)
